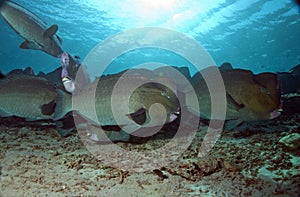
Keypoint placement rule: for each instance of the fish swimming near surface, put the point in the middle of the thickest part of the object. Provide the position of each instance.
(27, 96)
(35, 31)
(249, 97)
(38, 36)
(130, 112)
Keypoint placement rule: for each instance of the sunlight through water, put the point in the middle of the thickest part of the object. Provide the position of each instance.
(167, 13)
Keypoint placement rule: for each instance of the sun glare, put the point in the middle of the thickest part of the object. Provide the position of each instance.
(165, 13)
(153, 10)
(156, 4)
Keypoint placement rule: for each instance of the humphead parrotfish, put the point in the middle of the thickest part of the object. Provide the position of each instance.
(27, 96)
(34, 30)
(250, 97)
(139, 109)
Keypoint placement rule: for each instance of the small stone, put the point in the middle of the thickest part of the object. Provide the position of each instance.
(291, 141)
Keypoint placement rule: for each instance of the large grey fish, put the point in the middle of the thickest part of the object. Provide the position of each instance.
(35, 31)
(249, 97)
(130, 112)
(27, 96)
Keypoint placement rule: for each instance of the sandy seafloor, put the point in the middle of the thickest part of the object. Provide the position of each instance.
(250, 161)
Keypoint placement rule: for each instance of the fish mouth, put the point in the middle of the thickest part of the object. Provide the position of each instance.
(173, 116)
(276, 113)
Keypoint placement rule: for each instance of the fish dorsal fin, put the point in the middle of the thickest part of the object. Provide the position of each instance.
(14, 72)
(196, 78)
(50, 31)
(30, 45)
(295, 70)
(226, 66)
(28, 70)
(41, 74)
(21, 76)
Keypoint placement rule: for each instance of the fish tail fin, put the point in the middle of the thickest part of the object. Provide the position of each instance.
(65, 126)
(63, 104)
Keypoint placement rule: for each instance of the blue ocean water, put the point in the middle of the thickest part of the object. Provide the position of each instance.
(261, 35)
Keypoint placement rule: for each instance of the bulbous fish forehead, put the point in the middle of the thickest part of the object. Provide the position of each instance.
(27, 96)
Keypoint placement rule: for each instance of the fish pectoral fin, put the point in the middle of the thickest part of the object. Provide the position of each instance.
(30, 45)
(232, 102)
(226, 66)
(139, 117)
(50, 31)
(66, 126)
(59, 39)
(48, 109)
(29, 71)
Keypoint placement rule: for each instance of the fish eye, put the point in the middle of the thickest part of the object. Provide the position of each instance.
(165, 95)
(177, 113)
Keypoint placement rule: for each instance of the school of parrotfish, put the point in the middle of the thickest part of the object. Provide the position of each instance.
(250, 97)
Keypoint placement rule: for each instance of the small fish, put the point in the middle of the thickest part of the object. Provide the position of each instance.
(67, 73)
(27, 96)
(29, 26)
(130, 112)
(249, 97)
(66, 80)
